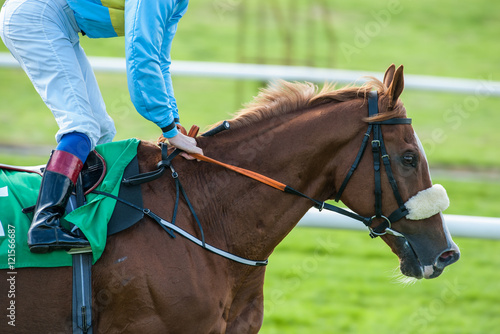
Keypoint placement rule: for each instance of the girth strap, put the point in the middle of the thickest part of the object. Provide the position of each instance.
(82, 280)
(82, 294)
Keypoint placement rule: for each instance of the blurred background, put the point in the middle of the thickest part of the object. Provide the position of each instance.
(318, 280)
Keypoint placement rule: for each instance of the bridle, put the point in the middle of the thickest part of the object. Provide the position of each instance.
(379, 153)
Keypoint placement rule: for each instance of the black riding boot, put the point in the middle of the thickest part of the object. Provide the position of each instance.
(46, 233)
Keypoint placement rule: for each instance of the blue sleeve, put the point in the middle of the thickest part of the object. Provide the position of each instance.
(149, 29)
(165, 69)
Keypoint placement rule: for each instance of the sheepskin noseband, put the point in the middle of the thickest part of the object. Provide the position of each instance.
(427, 203)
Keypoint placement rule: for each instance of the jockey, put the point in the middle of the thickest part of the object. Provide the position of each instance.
(43, 36)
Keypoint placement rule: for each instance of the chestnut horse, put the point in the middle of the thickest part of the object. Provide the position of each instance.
(147, 282)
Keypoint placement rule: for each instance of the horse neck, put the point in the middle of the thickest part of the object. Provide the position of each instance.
(300, 149)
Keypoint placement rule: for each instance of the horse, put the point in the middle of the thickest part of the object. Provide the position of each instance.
(296, 133)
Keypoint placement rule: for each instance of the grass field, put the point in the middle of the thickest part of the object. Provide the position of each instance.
(342, 282)
(330, 281)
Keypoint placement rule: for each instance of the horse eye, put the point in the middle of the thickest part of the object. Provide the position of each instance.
(410, 160)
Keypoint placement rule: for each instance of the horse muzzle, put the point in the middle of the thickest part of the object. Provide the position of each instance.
(424, 256)
(413, 263)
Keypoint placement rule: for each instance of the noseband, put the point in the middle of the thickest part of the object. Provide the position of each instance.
(379, 154)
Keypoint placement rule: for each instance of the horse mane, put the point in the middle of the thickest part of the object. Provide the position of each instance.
(282, 97)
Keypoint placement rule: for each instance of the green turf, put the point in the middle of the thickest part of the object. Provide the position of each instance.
(332, 281)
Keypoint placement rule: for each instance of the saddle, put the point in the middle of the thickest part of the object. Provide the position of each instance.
(92, 174)
(98, 217)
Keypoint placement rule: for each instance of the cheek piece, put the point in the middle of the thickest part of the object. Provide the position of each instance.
(427, 203)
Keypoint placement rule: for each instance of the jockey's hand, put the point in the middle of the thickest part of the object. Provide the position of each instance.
(185, 143)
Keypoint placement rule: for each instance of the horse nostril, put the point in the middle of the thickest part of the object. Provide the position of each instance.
(448, 257)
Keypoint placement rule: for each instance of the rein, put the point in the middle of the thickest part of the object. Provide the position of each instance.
(379, 154)
(170, 227)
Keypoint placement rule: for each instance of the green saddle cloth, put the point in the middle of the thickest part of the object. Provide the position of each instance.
(19, 190)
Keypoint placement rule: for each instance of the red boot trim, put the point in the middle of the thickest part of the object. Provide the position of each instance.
(66, 164)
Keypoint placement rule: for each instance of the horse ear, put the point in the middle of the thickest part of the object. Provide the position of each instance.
(389, 74)
(396, 87)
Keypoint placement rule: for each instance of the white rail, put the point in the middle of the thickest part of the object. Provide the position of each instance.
(459, 226)
(483, 87)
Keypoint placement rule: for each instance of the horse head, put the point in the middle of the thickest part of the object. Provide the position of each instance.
(387, 183)
(418, 236)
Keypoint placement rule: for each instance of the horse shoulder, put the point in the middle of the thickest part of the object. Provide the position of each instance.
(148, 154)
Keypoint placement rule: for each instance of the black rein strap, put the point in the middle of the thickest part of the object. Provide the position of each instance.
(167, 160)
(170, 227)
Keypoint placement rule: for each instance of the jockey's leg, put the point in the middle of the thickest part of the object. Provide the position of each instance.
(59, 178)
(43, 36)
(106, 124)
(77, 144)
